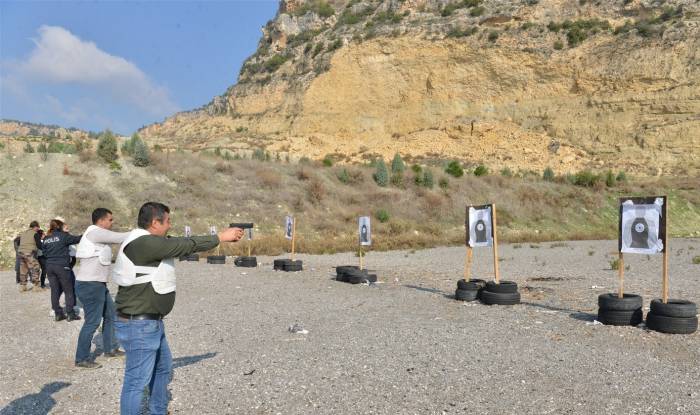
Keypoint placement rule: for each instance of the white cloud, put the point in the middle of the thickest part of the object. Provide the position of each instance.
(60, 57)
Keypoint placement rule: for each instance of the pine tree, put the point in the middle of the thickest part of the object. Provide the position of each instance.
(381, 175)
(141, 154)
(107, 147)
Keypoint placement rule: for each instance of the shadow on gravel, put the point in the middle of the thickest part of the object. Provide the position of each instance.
(36, 403)
(430, 290)
(190, 360)
(583, 316)
(575, 314)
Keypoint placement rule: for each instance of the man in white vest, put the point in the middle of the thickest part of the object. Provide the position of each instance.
(145, 273)
(95, 257)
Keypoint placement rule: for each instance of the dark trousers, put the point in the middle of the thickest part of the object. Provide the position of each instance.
(98, 306)
(61, 282)
(17, 266)
(42, 264)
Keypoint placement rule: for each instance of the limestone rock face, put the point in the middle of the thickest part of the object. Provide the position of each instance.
(505, 83)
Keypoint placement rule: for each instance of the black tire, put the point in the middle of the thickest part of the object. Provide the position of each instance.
(342, 269)
(216, 259)
(372, 278)
(620, 317)
(293, 266)
(674, 308)
(505, 287)
(341, 277)
(466, 295)
(491, 298)
(610, 301)
(278, 264)
(191, 257)
(246, 261)
(672, 325)
(472, 284)
(356, 278)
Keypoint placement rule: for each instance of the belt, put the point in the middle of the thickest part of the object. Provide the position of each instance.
(140, 316)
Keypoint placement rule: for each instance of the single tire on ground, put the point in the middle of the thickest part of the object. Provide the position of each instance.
(620, 317)
(466, 295)
(472, 284)
(278, 264)
(505, 287)
(191, 257)
(492, 298)
(673, 308)
(611, 301)
(672, 325)
(293, 266)
(341, 269)
(216, 259)
(356, 276)
(372, 278)
(246, 261)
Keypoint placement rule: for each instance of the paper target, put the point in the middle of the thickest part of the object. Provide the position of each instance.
(642, 225)
(188, 231)
(212, 230)
(479, 226)
(288, 227)
(365, 231)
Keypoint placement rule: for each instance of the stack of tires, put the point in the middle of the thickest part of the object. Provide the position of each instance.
(287, 265)
(673, 317)
(246, 261)
(469, 290)
(503, 293)
(216, 259)
(616, 311)
(191, 257)
(353, 275)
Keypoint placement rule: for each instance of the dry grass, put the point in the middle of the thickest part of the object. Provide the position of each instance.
(206, 190)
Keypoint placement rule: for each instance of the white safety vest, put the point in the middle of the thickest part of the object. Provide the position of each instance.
(89, 249)
(124, 272)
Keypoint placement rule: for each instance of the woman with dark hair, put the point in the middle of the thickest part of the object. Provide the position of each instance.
(55, 249)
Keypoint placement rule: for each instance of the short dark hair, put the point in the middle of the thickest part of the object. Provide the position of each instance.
(100, 213)
(34, 224)
(150, 211)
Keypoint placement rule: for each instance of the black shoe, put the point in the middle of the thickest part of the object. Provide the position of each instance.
(73, 316)
(59, 317)
(86, 364)
(114, 353)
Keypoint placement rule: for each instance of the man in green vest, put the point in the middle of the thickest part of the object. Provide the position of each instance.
(29, 269)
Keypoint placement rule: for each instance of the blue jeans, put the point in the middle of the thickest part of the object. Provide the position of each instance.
(148, 363)
(98, 306)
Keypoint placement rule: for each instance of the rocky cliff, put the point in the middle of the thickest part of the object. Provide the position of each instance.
(523, 84)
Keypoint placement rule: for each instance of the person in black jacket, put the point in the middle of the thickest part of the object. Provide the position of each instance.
(42, 261)
(55, 249)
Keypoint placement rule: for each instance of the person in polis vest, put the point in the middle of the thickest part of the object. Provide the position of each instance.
(145, 273)
(95, 257)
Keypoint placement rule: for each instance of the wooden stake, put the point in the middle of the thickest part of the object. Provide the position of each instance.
(621, 273)
(294, 232)
(249, 247)
(468, 264)
(361, 258)
(495, 245)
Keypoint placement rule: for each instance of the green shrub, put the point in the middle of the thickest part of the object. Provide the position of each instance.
(274, 63)
(382, 215)
(558, 45)
(141, 155)
(397, 180)
(55, 147)
(621, 177)
(217, 152)
(327, 161)
(336, 45)
(548, 174)
(320, 7)
(381, 175)
(114, 165)
(454, 169)
(477, 11)
(107, 147)
(41, 148)
(158, 149)
(506, 172)
(28, 148)
(696, 259)
(586, 178)
(70, 148)
(614, 264)
(417, 169)
(343, 176)
(610, 179)
(481, 170)
(457, 32)
(397, 164)
(262, 155)
(493, 35)
(443, 183)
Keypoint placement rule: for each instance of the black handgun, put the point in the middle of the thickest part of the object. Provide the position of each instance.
(241, 225)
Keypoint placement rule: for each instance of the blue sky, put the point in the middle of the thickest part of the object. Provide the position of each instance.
(121, 64)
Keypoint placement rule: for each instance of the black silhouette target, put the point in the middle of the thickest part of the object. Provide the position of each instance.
(365, 231)
(479, 225)
(288, 227)
(642, 227)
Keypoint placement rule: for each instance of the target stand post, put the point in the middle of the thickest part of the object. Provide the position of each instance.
(496, 274)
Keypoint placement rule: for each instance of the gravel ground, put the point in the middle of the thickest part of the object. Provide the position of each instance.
(401, 346)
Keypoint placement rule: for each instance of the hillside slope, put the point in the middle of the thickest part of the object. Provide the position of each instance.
(521, 84)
